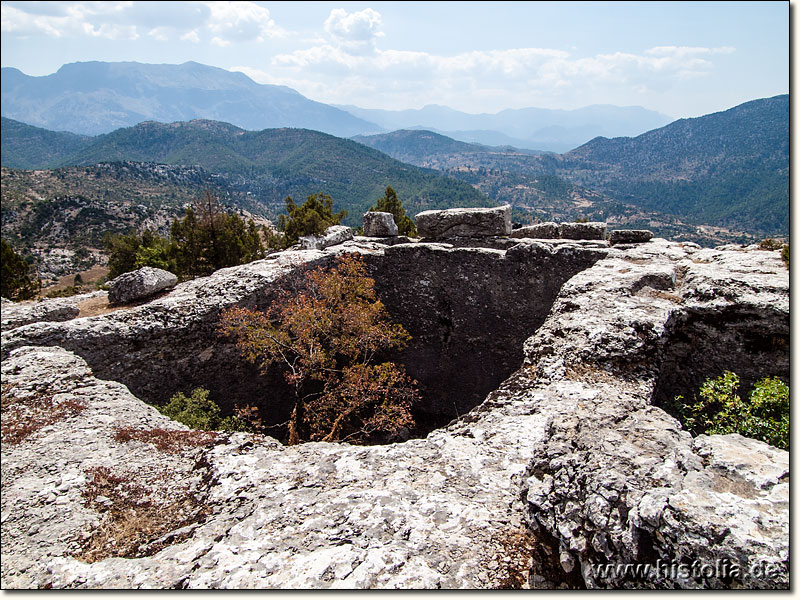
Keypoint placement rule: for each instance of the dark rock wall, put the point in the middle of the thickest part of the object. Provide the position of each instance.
(469, 311)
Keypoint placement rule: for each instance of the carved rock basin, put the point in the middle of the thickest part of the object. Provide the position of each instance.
(567, 465)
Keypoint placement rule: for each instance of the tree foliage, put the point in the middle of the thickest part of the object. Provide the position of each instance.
(313, 217)
(198, 411)
(327, 338)
(18, 283)
(720, 410)
(391, 203)
(206, 239)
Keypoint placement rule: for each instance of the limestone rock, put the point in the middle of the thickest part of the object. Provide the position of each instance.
(630, 236)
(333, 236)
(583, 231)
(16, 314)
(573, 443)
(139, 284)
(379, 224)
(540, 231)
(466, 222)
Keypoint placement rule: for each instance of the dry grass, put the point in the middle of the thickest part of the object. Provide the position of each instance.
(135, 523)
(515, 563)
(171, 441)
(21, 417)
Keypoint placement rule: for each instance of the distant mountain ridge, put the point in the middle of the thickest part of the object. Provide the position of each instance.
(530, 128)
(93, 98)
(269, 164)
(729, 168)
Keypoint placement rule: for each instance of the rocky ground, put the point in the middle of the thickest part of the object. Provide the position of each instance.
(567, 467)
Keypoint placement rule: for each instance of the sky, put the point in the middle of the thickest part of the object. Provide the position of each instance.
(683, 59)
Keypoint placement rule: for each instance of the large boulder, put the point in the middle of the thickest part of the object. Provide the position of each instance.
(332, 236)
(540, 231)
(630, 236)
(464, 222)
(583, 231)
(139, 284)
(379, 224)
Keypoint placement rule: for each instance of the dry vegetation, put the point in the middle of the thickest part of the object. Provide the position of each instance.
(171, 441)
(136, 522)
(23, 416)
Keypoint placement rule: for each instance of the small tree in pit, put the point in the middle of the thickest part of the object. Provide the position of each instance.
(326, 337)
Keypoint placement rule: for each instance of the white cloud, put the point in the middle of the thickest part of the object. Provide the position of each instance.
(333, 72)
(356, 32)
(241, 22)
(222, 22)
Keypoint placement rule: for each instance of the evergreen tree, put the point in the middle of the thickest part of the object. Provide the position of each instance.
(391, 203)
(312, 218)
(17, 281)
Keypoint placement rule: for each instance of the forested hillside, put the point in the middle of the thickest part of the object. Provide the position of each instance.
(275, 163)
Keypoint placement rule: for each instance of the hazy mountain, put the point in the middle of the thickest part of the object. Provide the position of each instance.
(532, 128)
(271, 164)
(98, 97)
(728, 168)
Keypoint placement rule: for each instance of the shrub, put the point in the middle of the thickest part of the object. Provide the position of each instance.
(312, 218)
(769, 244)
(326, 336)
(198, 411)
(721, 410)
(785, 254)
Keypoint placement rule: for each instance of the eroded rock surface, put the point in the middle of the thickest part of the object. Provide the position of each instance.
(379, 224)
(464, 222)
(572, 444)
(139, 284)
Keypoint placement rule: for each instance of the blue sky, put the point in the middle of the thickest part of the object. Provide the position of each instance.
(683, 59)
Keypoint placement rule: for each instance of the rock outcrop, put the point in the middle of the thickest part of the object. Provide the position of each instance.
(583, 231)
(333, 236)
(565, 475)
(139, 284)
(540, 231)
(630, 236)
(16, 314)
(464, 222)
(379, 224)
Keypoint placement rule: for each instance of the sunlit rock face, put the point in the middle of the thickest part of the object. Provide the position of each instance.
(564, 464)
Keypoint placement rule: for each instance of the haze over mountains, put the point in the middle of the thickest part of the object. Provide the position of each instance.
(532, 128)
(93, 98)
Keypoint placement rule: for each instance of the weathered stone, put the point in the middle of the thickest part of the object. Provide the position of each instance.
(583, 231)
(333, 236)
(22, 313)
(630, 236)
(540, 231)
(466, 222)
(379, 224)
(573, 442)
(139, 284)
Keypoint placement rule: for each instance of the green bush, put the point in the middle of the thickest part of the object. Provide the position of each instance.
(721, 410)
(313, 217)
(198, 411)
(18, 280)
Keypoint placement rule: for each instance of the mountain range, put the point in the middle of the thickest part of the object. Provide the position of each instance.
(729, 169)
(530, 128)
(92, 98)
(265, 166)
